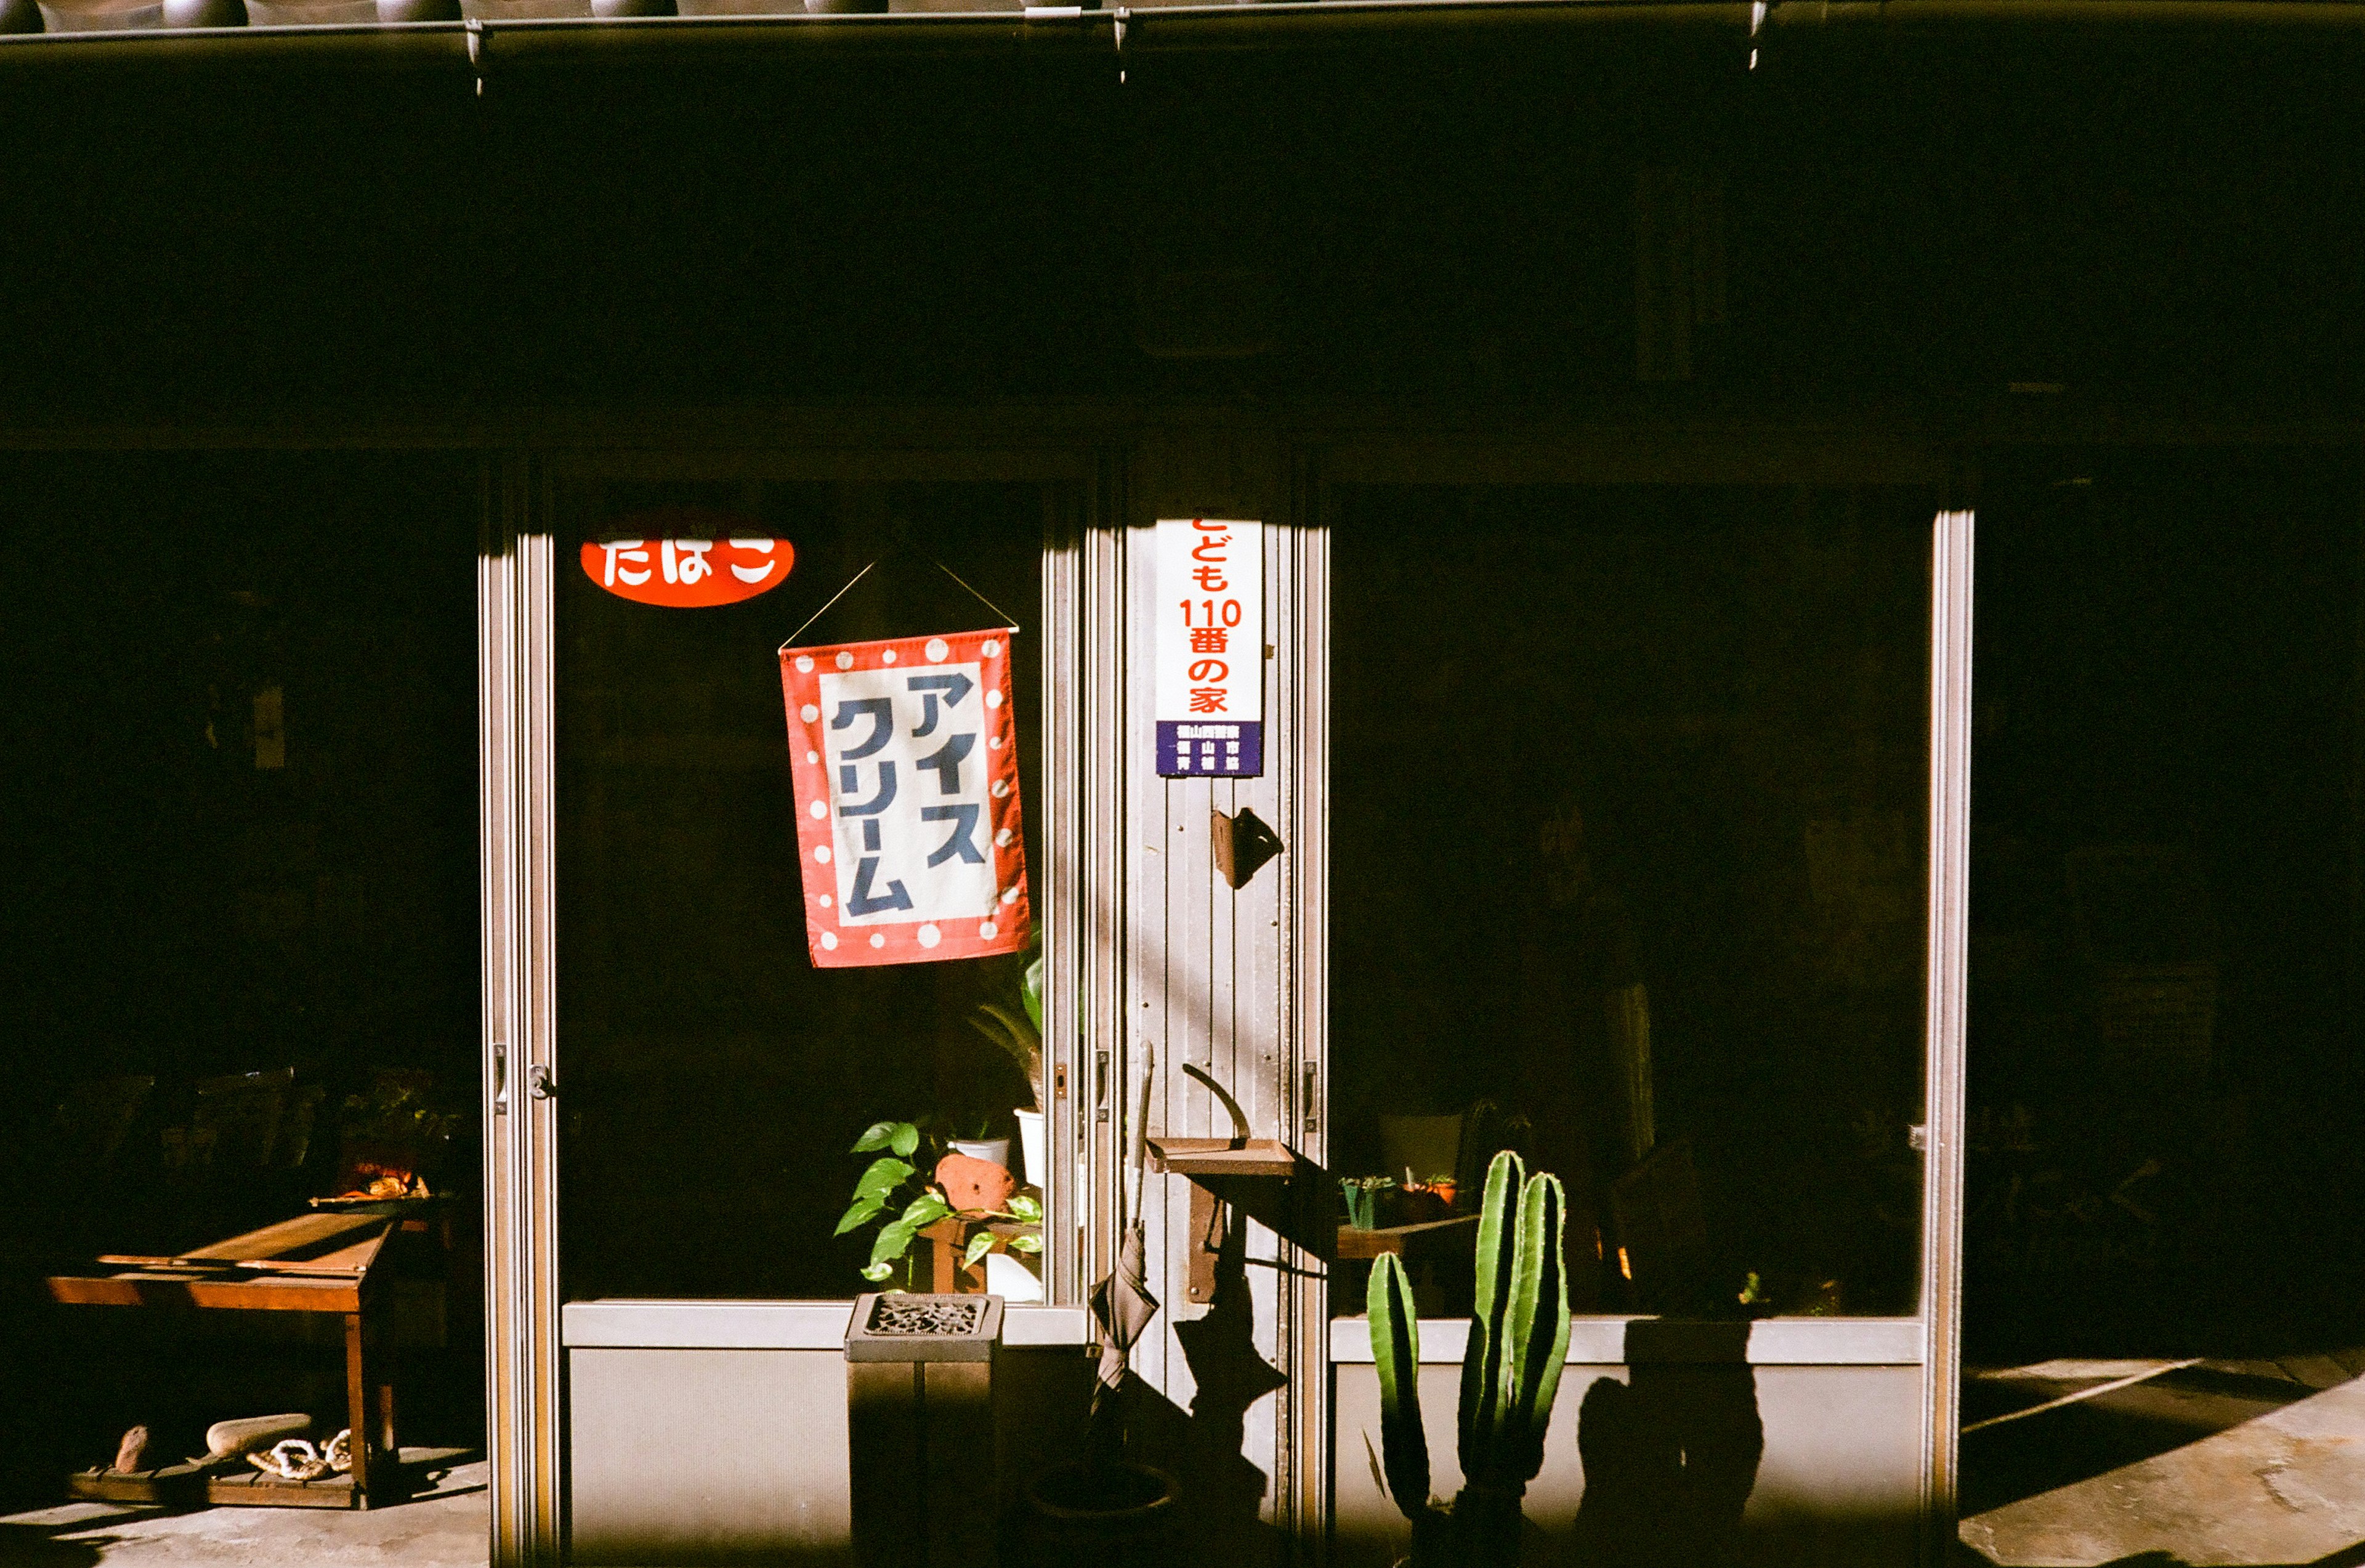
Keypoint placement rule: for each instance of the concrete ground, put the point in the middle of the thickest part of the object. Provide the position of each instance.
(445, 1526)
(2066, 1464)
(2198, 1463)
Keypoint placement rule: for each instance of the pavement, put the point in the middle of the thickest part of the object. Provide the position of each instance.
(446, 1525)
(2187, 1463)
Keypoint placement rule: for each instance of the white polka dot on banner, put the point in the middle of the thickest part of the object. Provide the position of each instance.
(990, 648)
(994, 743)
(813, 756)
(888, 657)
(988, 931)
(845, 661)
(930, 937)
(1002, 789)
(937, 650)
(1001, 837)
(993, 699)
(804, 664)
(829, 940)
(818, 811)
(821, 853)
(878, 939)
(826, 901)
(1010, 895)
(809, 714)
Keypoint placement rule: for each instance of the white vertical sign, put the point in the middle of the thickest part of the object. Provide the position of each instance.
(1210, 648)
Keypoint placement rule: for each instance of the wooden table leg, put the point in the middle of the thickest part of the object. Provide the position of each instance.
(357, 1405)
(386, 1438)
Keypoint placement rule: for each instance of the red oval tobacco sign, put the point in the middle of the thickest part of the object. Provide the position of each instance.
(685, 560)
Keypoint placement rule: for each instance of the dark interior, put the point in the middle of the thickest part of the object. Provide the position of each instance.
(191, 902)
(2168, 666)
(716, 1080)
(1675, 739)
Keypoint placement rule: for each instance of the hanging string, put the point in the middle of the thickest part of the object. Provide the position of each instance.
(824, 608)
(1007, 618)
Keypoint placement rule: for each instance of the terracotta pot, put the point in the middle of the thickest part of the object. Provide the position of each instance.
(971, 1185)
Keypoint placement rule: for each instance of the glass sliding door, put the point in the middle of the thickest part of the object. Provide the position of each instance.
(676, 1082)
(714, 1079)
(1634, 818)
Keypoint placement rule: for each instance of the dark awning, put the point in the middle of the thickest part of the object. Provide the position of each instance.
(681, 40)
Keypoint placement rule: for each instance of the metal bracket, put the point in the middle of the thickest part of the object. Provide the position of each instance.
(1243, 844)
(539, 1083)
(476, 35)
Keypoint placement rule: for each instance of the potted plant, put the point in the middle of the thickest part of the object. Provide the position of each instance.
(1364, 1194)
(956, 1187)
(1019, 1032)
(1106, 1506)
(1510, 1374)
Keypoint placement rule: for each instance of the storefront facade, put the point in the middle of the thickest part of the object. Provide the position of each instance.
(1616, 594)
(1171, 966)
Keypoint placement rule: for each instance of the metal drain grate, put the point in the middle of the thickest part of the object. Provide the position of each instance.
(932, 1315)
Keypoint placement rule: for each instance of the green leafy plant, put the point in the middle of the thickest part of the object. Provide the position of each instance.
(895, 1182)
(1363, 1196)
(1019, 1032)
(1511, 1374)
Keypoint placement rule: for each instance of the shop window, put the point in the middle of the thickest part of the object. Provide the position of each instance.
(1630, 789)
(713, 1079)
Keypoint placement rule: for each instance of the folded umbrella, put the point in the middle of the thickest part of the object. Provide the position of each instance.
(1124, 1306)
(1122, 1302)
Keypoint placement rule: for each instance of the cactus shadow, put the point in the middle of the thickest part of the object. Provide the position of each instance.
(1670, 1454)
(1205, 1448)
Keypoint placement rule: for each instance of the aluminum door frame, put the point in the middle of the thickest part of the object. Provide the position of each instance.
(1192, 970)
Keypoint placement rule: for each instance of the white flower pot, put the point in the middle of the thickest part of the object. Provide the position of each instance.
(992, 1150)
(1030, 1149)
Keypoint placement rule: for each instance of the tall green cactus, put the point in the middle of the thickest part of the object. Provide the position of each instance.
(1510, 1372)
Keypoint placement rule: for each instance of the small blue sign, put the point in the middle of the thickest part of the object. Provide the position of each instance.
(1232, 750)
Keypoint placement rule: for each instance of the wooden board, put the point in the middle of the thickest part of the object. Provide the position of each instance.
(1222, 1156)
(1431, 1238)
(351, 1245)
(305, 1237)
(188, 1484)
(157, 1287)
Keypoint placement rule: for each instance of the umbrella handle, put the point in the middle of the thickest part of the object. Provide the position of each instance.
(1142, 1127)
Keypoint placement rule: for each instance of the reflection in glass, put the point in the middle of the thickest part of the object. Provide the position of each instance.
(715, 1082)
(1628, 845)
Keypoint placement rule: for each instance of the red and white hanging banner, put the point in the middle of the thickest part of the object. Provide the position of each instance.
(906, 762)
